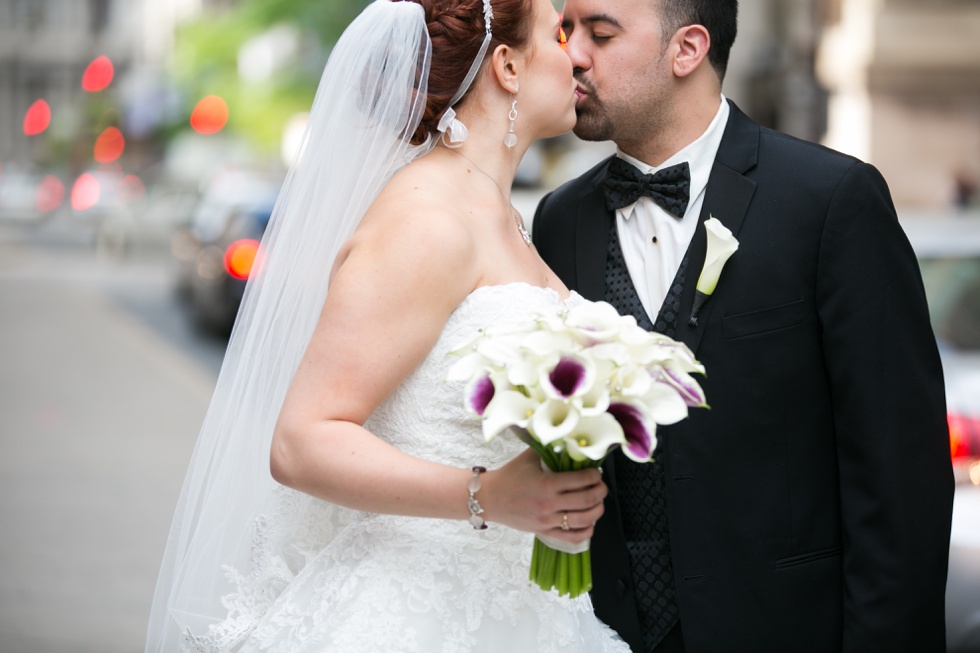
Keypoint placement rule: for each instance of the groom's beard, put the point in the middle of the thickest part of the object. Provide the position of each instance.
(593, 121)
(631, 117)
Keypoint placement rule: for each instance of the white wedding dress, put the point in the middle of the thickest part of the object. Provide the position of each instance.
(327, 580)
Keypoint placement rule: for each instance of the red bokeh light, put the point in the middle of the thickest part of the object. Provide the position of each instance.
(131, 188)
(50, 194)
(210, 115)
(964, 436)
(85, 193)
(98, 74)
(241, 257)
(37, 118)
(109, 145)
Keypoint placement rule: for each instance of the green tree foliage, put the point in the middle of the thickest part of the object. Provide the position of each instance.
(207, 59)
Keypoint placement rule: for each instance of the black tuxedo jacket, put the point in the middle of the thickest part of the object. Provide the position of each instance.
(809, 508)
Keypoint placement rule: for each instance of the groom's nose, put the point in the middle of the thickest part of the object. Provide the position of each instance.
(577, 50)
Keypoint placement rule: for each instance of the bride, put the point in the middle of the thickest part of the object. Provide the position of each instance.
(389, 525)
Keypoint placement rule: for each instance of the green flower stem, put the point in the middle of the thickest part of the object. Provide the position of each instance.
(574, 575)
(562, 575)
(569, 573)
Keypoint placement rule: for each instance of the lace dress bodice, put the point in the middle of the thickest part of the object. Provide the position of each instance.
(333, 580)
(425, 415)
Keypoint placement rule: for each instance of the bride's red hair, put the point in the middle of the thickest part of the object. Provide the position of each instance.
(456, 29)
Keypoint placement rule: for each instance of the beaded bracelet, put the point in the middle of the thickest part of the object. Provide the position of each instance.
(476, 510)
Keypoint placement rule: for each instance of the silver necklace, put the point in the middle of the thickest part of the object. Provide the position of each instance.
(520, 227)
(518, 220)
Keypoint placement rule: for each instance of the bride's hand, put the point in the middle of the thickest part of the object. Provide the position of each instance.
(523, 496)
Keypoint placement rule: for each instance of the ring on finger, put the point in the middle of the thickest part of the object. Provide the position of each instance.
(564, 521)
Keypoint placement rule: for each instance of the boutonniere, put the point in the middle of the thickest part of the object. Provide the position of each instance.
(721, 245)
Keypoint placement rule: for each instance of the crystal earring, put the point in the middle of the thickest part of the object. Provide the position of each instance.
(510, 140)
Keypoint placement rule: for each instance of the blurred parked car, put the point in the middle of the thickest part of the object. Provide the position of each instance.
(28, 196)
(148, 224)
(101, 194)
(948, 250)
(215, 252)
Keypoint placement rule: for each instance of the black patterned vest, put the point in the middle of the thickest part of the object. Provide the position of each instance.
(640, 488)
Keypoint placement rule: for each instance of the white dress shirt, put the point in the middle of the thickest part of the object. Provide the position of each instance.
(653, 241)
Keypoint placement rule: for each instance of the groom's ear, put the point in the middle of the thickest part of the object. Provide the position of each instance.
(506, 63)
(689, 47)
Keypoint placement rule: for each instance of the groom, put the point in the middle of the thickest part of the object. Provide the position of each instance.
(809, 508)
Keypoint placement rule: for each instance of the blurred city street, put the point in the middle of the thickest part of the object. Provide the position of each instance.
(142, 146)
(104, 383)
(103, 387)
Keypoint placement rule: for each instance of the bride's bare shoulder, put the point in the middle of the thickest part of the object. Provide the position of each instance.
(421, 203)
(415, 222)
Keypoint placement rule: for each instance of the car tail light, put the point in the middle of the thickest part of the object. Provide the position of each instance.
(964, 445)
(964, 436)
(240, 257)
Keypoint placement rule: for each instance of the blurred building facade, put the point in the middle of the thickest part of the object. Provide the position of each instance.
(771, 71)
(904, 77)
(895, 82)
(45, 47)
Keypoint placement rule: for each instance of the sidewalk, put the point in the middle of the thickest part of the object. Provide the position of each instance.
(98, 416)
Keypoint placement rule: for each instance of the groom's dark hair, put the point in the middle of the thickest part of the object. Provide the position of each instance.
(719, 17)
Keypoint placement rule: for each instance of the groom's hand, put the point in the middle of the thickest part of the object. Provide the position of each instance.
(523, 496)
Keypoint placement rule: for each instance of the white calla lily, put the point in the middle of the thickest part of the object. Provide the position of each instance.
(523, 373)
(506, 409)
(721, 245)
(469, 344)
(631, 381)
(548, 343)
(596, 321)
(593, 437)
(683, 357)
(499, 351)
(553, 420)
(664, 405)
(615, 352)
(595, 401)
(468, 366)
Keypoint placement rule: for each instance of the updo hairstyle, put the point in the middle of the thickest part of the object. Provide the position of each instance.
(456, 29)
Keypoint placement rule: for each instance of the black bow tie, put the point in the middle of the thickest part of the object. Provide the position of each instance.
(670, 188)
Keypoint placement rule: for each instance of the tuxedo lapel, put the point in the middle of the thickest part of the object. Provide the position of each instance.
(592, 240)
(727, 198)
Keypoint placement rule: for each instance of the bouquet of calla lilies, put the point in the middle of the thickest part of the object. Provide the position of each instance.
(576, 383)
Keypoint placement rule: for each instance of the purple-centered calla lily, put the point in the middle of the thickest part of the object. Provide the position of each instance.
(570, 377)
(640, 436)
(689, 389)
(479, 392)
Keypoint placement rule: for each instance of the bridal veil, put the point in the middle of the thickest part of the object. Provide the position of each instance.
(214, 582)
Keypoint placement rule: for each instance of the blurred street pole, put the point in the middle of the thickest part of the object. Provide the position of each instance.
(98, 415)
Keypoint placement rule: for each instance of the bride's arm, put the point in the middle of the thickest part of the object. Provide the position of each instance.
(388, 302)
